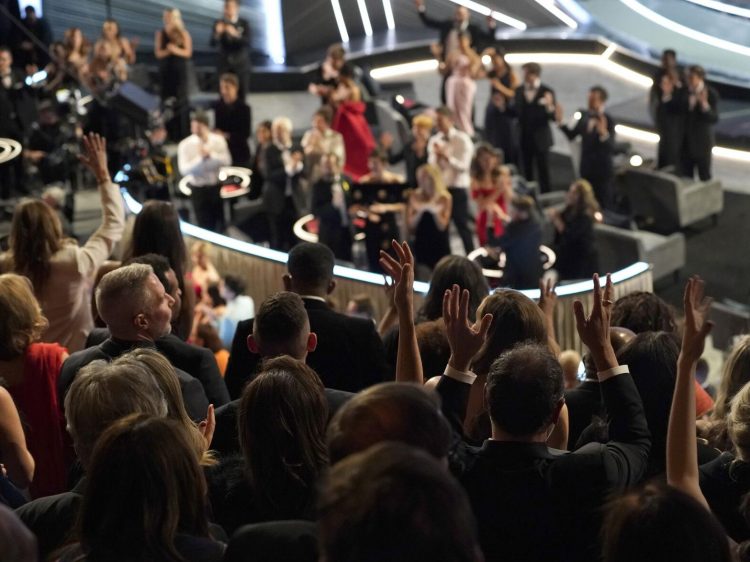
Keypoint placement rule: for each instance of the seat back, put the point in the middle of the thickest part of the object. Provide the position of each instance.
(729, 321)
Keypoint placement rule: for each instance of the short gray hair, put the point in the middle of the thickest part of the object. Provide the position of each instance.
(124, 285)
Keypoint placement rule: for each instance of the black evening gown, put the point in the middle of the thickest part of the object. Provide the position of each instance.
(174, 84)
(430, 243)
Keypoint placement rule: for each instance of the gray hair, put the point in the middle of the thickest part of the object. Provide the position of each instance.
(126, 285)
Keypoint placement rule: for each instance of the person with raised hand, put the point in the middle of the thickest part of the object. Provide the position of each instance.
(548, 303)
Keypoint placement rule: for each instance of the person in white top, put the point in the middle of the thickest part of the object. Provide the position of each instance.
(201, 155)
(321, 140)
(451, 151)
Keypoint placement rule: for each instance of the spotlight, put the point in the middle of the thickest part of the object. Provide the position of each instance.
(636, 160)
(400, 99)
(577, 116)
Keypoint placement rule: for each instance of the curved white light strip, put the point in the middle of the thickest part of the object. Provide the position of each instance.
(236, 171)
(406, 69)
(487, 11)
(340, 23)
(722, 7)
(301, 233)
(549, 5)
(637, 134)
(583, 287)
(365, 17)
(274, 31)
(9, 149)
(686, 31)
(389, 21)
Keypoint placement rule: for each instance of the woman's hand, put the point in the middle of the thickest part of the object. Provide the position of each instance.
(95, 156)
(208, 426)
(465, 339)
(594, 328)
(697, 326)
(402, 273)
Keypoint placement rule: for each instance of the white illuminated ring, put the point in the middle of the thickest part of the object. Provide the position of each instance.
(302, 233)
(184, 185)
(236, 171)
(9, 149)
(549, 5)
(487, 11)
(498, 273)
(722, 7)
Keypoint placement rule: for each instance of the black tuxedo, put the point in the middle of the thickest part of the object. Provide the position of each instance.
(699, 136)
(349, 356)
(281, 205)
(534, 503)
(332, 230)
(235, 119)
(520, 242)
(226, 441)
(596, 154)
(535, 135)
(196, 369)
(670, 117)
(234, 53)
(584, 402)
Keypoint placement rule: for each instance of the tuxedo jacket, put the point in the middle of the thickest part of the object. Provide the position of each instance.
(233, 50)
(15, 118)
(349, 356)
(596, 154)
(477, 35)
(534, 119)
(699, 126)
(584, 402)
(275, 184)
(322, 201)
(537, 504)
(196, 369)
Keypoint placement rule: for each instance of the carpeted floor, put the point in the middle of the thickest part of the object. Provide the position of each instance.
(718, 255)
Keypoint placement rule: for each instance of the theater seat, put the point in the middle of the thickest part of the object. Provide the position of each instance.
(618, 248)
(666, 203)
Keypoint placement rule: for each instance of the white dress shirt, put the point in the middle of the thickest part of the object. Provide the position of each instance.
(204, 169)
(459, 151)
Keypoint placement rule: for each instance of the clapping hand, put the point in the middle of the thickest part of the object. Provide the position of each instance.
(464, 338)
(402, 273)
(594, 328)
(95, 156)
(697, 326)
(547, 298)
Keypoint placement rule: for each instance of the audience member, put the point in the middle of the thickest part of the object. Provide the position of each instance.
(32, 53)
(492, 189)
(499, 119)
(414, 149)
(570, 361)
(667, 101)
(451, 151)
(173, 47)
(361, 306)
(120, 47)
(320, 141)
(30, 373)
(460, 91)
(239, 306)
(349, 355)
(520, 242)
(702, 115)
(330, 206)
(207, 336)
(232, 36)
(60, 271)
(18, 463)
(428, 214)
(233, 118)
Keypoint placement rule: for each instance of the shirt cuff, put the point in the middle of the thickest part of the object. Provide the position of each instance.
(466, 377)
(613, 372)
(422, 9)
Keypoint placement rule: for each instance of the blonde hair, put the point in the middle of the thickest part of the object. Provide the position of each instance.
(177, 21)
(35, 236)
(437, 179)
(738, 423)
(200, 247)
(423, 121)
(22, 319)
(736, 373)
(286, 124)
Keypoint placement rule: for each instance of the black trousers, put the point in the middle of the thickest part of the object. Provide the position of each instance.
(208, 207)
(536, 166)
(702, 162)
(460, 216)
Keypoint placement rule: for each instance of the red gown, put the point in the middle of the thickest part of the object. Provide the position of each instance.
(482, 218)
(42, 417)
(350, 121)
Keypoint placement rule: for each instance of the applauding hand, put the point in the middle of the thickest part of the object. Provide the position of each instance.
(95, 156)
(594, 328)
(402, 273)
(697, 326)
(464, 338)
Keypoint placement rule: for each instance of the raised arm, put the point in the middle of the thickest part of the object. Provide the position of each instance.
(408, 360)
(548, 303)
(682, 447)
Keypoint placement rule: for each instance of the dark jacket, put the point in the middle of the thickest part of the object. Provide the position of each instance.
(196, 362)
(275, 182)
(520, 242)
(349, 356)
(235, 119)
(699, 126)
(724, 482)
(576, 254)
(596, 154)
(277, 541)
(584, 402)
(534, 119)
(233, 50)
(477, 35)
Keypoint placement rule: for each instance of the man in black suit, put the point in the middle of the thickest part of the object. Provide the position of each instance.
(17, 113)
(535, 106)
(349, 354)
(232, 35)
(668, 108)
(137, 310)
(597, 131)
(281, 327)
(520, 242)
(534, 503)
(702, 115)
(330, 205)
(233, 119)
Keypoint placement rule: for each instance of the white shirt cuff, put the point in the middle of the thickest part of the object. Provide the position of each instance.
(613, 372)
(466, 377)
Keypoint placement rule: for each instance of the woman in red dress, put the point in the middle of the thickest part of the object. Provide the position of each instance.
(492, 189)
(30, 370)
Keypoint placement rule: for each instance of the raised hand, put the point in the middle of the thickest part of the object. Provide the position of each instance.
(464, 338)
(402, 273)
(697, 326)
(547, 298)
(594, 328)
(208, 426)
(95, 156)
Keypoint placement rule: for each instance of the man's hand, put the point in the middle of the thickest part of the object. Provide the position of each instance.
(558, 113)
(594, 329)
(219, 28)
(386, 140)
(419, 4)
(402, 273)
(547, 298)
(602, 125)
(697, 326)
(205, 151)
(95, 156)
(667, 86)
(465, 339)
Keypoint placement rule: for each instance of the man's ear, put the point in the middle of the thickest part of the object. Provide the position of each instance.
(286, 279)
(252, 345)
(331, 286)
(312, 342)
(140, 322)
(557, 410)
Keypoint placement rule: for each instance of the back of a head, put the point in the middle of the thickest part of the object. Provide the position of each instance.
(144, 485)
(157, 231)
(22, 320)
(35, 236)
(652, 360)
(449, 271)
(310, 266)
(735, 375)
(434, 348)
(661, 523)
(281, 326)
(643, 312)
(105, 392)
(515, 318)
(122, 294)
(397, 503)
(389, 412)
(524, 388)
(738, 423)
(281, 427)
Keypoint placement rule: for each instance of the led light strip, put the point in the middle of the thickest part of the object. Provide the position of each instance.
(406, 69)
(550, 6)
(722, 7)
(653, 138)
(340, 23)
(686, 31)
(487, 11)
(389, 21)
(365, 17)
(274, 31)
